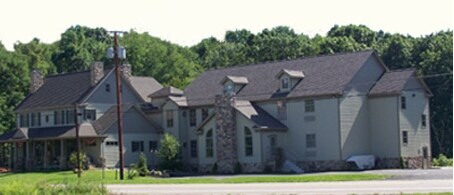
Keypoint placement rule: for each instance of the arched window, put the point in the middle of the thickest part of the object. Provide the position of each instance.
(209, 143)
(248, 145)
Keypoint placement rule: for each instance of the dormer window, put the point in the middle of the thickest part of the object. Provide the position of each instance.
(285, 83)
(289, 79)
(228, 88)
(234, 84)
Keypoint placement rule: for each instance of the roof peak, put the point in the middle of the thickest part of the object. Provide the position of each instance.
(289, 60)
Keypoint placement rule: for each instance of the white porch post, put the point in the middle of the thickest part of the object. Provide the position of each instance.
(62, 154)
(45, 155)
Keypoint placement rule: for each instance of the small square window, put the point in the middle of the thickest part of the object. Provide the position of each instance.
(309, 105)
(137, 146)
(107, 87)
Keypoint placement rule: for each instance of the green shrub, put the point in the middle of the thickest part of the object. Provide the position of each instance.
(133, 171)
(73, 159)
(168, 153)
(442, 161)
(142, 165)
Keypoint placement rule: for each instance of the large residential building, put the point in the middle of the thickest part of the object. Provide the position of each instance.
(310, 113)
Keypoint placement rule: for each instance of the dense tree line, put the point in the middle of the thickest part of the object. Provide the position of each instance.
(174, 65)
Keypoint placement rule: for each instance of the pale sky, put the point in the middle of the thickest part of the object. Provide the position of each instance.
(186, 22)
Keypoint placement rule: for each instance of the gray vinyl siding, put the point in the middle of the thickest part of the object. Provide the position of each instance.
(324, 124)
(410, 120)
(354, 120)
(100, 95)
(384, 126)
(241, 123)
(354, 124)
(135, 128)
(203, 159)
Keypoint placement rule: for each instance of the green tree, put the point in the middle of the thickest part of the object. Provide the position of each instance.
(79, 46)
(39, 55)
(168, 153)
(168, 63)
(14, 82)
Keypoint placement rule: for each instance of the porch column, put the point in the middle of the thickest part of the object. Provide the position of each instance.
(10, 159)
(27, 155)
(62, 155)
(45, 155)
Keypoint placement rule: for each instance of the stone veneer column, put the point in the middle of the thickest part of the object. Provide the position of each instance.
(226, 145)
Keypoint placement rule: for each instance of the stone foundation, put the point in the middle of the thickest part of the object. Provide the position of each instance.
(252, 167)
(387, 163)
(327, 165)
(208, 168)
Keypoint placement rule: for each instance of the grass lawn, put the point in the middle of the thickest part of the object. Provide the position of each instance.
(95, 176)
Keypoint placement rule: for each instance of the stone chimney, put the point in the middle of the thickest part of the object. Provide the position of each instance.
(97, 72)
(126, 71)
(36, 81)
(226, 144)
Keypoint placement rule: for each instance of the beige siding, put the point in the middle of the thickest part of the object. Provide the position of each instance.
(324, 123)
(203, 159)
(384, 126)
(241, 123)
(410, 120)
(135, 128)
(354, 119)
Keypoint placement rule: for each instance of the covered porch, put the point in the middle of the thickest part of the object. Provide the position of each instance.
(46, 148)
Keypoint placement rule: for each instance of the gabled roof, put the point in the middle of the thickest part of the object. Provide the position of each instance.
(165, 92)
(292, 73)
(65, 90)
(235, 79)
(393, 82)
(109, 118)
(324, 75)
(260, 117)
(59, 90)
(145, 85)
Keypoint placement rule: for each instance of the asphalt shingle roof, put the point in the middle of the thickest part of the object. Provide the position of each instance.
(58, 90)
(166, 91)
(392, 82)
(145, 85)
(323, 75)
(109, 118)
(259, 116)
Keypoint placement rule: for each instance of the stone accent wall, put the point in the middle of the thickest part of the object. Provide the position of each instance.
(36, 81)
(97, 72)
(326, 165)
(207, 168)
(126, 71)
(226, 145)
(416, 162)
